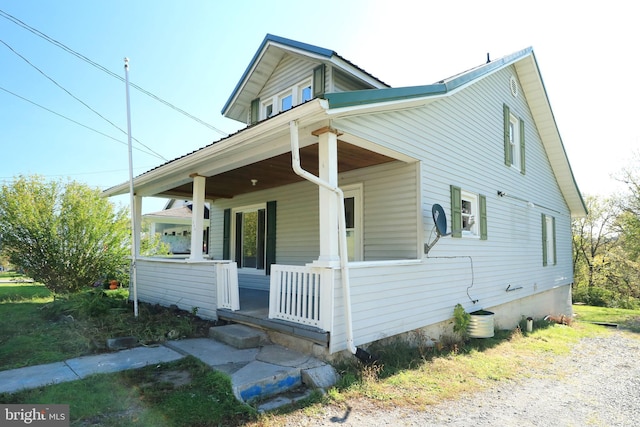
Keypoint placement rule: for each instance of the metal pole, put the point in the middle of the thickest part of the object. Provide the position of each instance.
(132, 197)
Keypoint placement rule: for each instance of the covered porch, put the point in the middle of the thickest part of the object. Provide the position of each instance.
(253, 168)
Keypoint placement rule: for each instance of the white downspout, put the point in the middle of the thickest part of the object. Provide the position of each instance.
(342, 228)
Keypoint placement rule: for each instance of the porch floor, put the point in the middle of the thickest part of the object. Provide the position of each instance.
(254, 311)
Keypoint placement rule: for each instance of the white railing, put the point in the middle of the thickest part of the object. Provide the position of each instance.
(296, 294)
(228, 292)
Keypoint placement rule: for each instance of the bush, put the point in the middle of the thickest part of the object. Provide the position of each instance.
(63, 234)
(601, 297)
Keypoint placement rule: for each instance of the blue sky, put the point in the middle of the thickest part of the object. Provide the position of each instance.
(192, 53)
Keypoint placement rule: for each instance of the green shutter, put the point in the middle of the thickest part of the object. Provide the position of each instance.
(255, 111)
(521, 146)
(456, 211)
(238, 245)
(483, 217)
(226, 235)
(507, 142)
(271, 236)
(319, 81)
(553, 225)
(544, 240)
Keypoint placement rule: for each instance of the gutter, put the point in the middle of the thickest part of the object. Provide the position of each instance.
(342, 236)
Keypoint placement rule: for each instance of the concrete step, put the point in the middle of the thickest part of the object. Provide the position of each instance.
(239, 336)
(260, 371)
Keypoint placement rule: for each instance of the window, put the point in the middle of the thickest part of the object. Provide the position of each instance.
(514, 147)
(286, 102)
(353, 220)
(468, 214)
(513, 140)
(305, 93)
(548, 240)
(283, 101)
(268, 109)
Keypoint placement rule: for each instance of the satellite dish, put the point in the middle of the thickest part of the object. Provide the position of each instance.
(440, 219)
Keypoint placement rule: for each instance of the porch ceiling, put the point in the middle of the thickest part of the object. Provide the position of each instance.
(277, 171)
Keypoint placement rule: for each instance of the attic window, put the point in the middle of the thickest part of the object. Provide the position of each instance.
(287, 99)
(286, 102)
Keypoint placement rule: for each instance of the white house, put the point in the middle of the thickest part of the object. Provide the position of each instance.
(172, 225)
(482, 144)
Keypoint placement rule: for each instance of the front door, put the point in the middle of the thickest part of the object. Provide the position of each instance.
(250, 238)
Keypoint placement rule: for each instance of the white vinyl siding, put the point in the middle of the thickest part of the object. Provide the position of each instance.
(289, 72)
(343, 82)
(186, 285)
(460, 141)
(389, 204)
(390, 224)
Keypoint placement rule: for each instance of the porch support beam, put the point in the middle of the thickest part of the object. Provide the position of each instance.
(328, 172)
(197, 216)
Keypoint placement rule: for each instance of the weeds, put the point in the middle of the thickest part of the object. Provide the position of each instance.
(44, 330)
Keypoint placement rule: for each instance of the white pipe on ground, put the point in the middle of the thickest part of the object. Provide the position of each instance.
(342, 228)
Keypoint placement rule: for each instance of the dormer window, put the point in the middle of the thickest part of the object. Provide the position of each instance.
(287, 99)
(305, 92)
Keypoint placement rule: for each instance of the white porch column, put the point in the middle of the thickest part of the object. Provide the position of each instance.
(137, 212)
(328, 172)
(197, 217)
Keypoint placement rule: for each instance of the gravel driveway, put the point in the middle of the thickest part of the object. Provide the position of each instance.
(598, 384)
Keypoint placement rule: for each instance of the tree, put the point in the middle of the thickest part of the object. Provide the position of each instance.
(593, 238)
(63, 234)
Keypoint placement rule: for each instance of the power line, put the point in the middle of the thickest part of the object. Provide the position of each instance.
(104, 69)
(10, 178)
(77, 123)
(78, 99)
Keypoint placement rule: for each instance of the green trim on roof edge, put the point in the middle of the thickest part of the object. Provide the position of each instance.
(374, 96)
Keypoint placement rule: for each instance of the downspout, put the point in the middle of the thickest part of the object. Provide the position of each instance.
(342, 239)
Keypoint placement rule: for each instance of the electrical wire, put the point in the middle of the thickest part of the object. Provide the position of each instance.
(77, 123)
(78, 99)
(106, 70)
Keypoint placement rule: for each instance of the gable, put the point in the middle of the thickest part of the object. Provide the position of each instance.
(279, 63)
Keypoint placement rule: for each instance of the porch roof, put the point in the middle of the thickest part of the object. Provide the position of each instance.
(260, 152)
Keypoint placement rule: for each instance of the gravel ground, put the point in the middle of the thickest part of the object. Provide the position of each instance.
(598, 384)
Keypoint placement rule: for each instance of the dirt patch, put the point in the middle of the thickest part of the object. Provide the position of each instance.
(177, 378)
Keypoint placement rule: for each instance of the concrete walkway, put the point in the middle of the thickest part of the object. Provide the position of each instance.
(255, 372)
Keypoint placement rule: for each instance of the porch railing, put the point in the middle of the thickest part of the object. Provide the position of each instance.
(228, 292)
(296, 294)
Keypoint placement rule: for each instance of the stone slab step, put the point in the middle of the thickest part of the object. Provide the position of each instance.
(259, 380)
(239, 336)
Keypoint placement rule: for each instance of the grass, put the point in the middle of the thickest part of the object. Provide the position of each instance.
(627, 319)
(411, 377)
(44, 330)
(147, 397)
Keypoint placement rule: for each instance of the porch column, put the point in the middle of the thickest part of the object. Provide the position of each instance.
(328, 172)
(137, 212)
(197, 217)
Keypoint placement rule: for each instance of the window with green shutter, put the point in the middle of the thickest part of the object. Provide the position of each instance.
(514, 148)
(548, 240)
(468, 214)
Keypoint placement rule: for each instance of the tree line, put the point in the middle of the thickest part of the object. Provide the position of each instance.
(606, 247)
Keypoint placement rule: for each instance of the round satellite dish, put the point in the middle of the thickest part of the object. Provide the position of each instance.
(440, 219)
